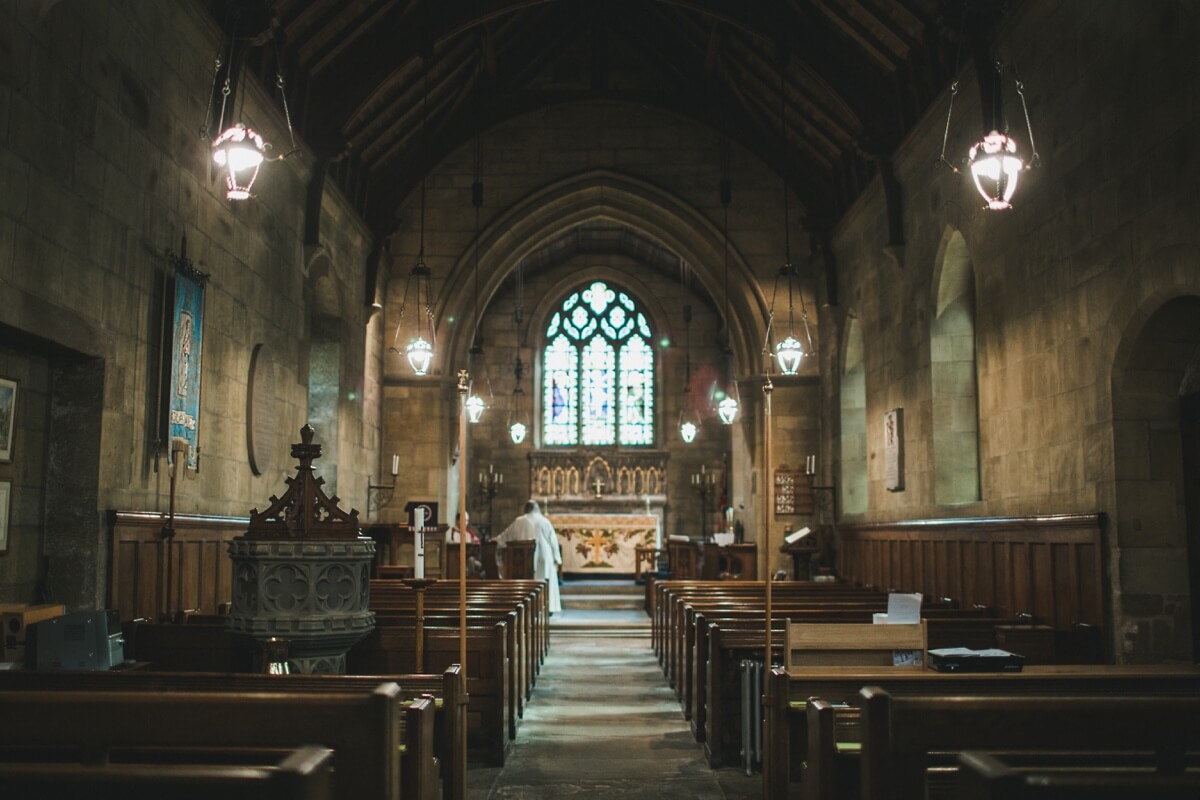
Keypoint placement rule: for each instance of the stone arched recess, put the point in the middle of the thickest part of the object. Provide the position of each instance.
(853, 409)
(594, 195)
(1156, 470)
(326, 356)
(954, 375)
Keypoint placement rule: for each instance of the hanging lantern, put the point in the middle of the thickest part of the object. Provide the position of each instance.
(475, 408)
(727, 409)
(518, 425)
(995, 168)
(789, 353)
(419, 354)
(240, 152)
(688, 431)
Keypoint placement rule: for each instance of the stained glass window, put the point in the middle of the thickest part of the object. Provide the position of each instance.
(598, 371)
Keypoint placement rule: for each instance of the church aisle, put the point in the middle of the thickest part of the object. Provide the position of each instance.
(604, 724)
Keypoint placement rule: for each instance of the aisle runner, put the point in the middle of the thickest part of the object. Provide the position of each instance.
(603, 542)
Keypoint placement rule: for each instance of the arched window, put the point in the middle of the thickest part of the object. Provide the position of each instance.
(598, 371)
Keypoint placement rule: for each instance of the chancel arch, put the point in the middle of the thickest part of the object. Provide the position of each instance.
(600, 195)
(954, 376)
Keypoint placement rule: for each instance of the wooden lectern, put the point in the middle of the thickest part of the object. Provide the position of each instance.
(735, 562)
(518, 559)
(486, 553)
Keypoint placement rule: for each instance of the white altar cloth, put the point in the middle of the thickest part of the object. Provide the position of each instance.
(603, 543)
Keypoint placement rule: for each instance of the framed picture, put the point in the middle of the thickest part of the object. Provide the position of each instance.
(8, 416)
(5, 494)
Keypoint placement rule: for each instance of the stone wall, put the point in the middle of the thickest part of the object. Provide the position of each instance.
(1102, 235)
(103, 172)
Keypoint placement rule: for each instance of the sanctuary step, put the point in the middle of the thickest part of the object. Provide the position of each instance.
(614, 595)
(601, 608)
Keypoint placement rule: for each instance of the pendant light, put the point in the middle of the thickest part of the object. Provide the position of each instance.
(239, 150)
(789, 352)
(419, 350)
(689, 423)
(475, 403)
(518, 415)
(728, 407)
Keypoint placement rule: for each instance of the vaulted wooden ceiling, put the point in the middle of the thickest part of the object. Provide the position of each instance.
(856, 75)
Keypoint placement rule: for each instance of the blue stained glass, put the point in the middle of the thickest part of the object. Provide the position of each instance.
(637, 388)
(560, 393)
(598, 372)
(599, 404)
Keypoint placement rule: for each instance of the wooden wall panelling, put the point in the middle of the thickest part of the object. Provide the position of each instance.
(1048, 566)
(200, 572)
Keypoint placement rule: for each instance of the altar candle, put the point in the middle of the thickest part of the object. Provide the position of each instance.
(418, 542)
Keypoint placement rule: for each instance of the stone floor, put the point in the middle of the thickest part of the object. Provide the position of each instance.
(604, 724)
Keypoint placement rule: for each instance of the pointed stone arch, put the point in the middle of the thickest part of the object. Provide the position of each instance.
(853, 410)
(954, 375)
(601, 195)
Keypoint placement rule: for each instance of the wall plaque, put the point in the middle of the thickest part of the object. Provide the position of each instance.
(793, 494)
(893, 450)
(260, 409)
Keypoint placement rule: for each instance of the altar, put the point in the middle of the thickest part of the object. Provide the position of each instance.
(603, 544)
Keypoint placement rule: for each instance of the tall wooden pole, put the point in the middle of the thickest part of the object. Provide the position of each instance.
(463, 386)
(768, 486)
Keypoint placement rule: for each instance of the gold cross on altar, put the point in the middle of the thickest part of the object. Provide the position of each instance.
(596, 541)
(599, 483)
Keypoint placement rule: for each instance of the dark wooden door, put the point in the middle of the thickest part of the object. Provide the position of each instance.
(1189, 427)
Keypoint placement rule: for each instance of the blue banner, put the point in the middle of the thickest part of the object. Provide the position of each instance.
(185, 363)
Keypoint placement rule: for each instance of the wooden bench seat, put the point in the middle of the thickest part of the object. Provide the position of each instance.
(983, 776)
(444, 746)
(899, 733)
(305, 773)
(362, 729)
(788, 742)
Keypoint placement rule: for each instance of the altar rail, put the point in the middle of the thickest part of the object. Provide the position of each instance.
(149, 574)
(1047, 566)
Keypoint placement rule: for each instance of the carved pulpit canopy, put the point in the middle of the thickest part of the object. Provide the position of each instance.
(304, 511)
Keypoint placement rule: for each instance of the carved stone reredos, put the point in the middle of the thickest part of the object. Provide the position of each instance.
(304, 511)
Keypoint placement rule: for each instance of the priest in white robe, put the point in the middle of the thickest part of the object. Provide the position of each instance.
(547, 556)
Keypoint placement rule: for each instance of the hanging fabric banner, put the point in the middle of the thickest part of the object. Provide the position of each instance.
(188, 336)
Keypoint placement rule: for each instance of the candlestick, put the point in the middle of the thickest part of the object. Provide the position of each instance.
(418, 542)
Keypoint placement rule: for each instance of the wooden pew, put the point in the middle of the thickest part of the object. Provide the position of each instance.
(362, 729)
(831, 644)
(444, 745)
(302, 774)
(899, 733)
(391, 649)
(788, 741)
(983, 776)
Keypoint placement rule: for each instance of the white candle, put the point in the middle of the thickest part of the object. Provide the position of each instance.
(418, 542)
(395, 464)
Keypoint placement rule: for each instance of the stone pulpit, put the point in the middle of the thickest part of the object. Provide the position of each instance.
(302, 573)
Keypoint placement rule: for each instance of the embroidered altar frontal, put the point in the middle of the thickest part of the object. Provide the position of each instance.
(603, 543)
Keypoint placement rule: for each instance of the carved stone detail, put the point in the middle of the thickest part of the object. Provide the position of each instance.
(302, 573)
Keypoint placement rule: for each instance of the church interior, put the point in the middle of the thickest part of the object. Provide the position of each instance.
(779, 311)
